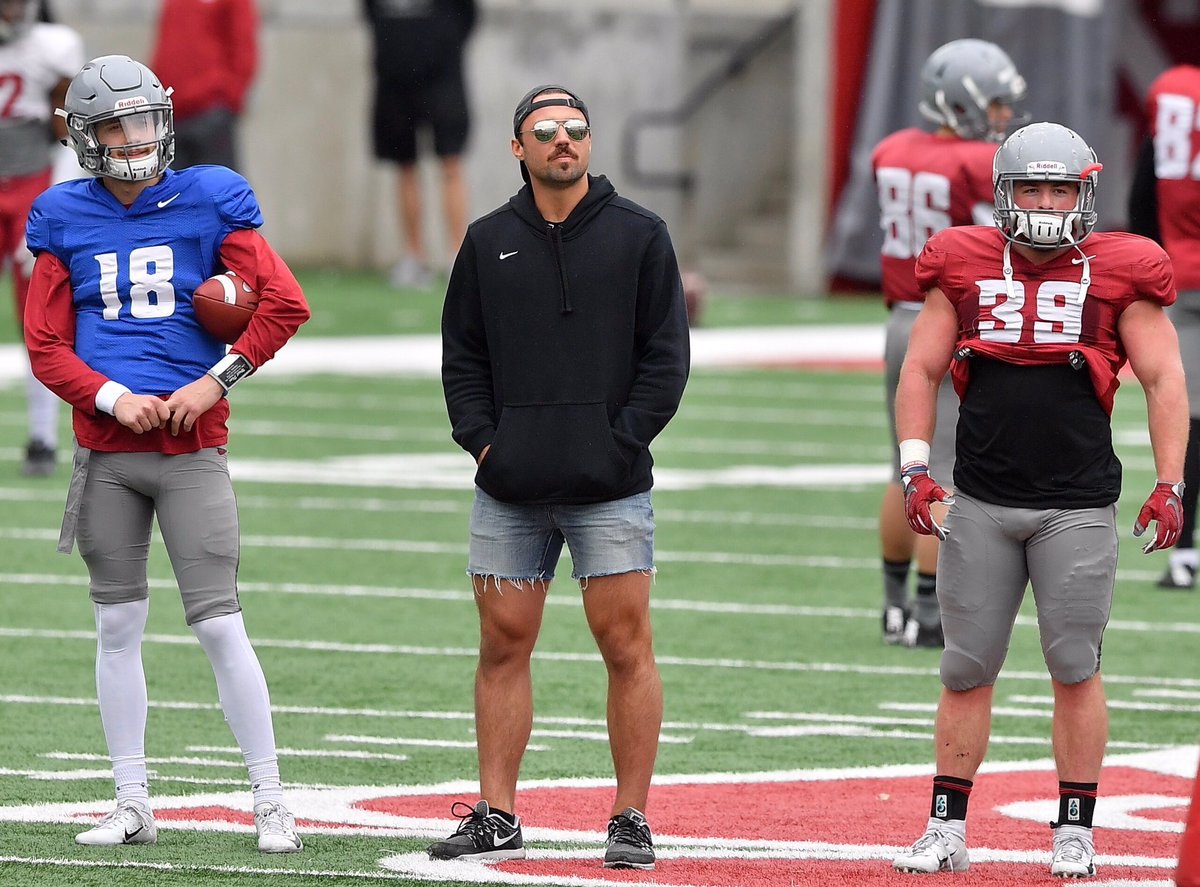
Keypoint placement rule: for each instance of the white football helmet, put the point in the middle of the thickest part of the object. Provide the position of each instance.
(1045, 152)
(117, 88)
(961, 79)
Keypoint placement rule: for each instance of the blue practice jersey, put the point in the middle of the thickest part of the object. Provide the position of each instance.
(133, 270)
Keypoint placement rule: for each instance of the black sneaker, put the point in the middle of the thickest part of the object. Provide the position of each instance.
(894, 620)
(919, 635)
(39, 459)
(629, 843)
(481, 834)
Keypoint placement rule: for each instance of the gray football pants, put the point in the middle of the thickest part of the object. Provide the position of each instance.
(111, 505)
(1068, 556)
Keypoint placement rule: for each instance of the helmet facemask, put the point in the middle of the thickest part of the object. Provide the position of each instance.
(1045, 152)
(149, 144)
(1046, 228)
(119, 120)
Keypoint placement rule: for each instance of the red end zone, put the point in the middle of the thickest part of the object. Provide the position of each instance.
(786, 829)
(832, 832)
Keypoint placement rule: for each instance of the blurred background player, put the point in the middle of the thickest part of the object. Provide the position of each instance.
(37, 62)
(927, 182)
(1164, 204)
(111, 330)
(208, 51)
(420, 92)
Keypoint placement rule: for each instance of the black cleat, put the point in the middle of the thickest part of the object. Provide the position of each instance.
(39, 459)
(918, 635)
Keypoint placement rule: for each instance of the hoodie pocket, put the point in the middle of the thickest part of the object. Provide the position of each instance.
(562, 451)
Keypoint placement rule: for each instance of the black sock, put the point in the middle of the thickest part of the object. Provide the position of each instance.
(950, 796)
(895, 583)
(505, 815)
(1076, 801)
(925, 607)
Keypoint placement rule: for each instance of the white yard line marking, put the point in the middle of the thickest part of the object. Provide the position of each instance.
(1169, 694)
(283, 751)
(206, 869)
(1122, 704)
(449, 596)
(547, 656)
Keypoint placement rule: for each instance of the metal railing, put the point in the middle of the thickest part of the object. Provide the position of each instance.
(637, 123)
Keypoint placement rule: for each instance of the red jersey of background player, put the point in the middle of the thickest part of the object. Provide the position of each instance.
(926, 183)
(1172, 105)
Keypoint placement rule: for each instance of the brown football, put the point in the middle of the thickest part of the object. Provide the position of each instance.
(224, 305)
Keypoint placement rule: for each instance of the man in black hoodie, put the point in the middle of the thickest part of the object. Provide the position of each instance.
(564, 353)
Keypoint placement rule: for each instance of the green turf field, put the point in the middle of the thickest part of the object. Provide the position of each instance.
(766, 612)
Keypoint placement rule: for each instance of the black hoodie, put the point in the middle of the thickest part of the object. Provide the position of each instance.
(564, 347)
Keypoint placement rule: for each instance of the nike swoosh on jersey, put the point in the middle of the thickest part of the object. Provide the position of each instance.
(1081, 261)
(163, 203)
(504, 256)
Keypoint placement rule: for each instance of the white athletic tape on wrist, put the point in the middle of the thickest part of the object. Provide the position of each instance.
(914, 450)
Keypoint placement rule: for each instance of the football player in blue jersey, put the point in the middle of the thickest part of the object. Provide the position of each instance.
(111, 330)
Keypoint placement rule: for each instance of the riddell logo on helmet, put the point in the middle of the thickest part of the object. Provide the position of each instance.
(1051, 166)
(134, 102)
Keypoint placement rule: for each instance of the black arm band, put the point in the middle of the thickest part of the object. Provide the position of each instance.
(230, 370)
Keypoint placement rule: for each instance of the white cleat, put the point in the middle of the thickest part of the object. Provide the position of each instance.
(1074, 852)
(935, 851)
(130, 823)
(276, 829)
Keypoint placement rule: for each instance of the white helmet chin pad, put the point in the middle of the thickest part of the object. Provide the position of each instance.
(1044, 229)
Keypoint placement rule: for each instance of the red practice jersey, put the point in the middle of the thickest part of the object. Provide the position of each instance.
(1036, 369)
(1173, 106)
(926, 183)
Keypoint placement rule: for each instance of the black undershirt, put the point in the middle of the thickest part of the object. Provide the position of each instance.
(1034, 437)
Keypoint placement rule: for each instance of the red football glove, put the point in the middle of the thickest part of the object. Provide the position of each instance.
(920, 490)
(1165, 508)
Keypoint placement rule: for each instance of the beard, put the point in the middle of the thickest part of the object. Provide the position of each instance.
(554, 174)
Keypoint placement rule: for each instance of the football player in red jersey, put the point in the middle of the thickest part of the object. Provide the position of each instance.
(37, 62)
(1038, 315)
(1164, 204)
(927, 182)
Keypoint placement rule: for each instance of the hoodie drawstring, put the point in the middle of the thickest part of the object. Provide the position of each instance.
(556, 241)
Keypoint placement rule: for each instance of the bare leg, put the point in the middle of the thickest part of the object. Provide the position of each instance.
(618, 613)
(408, 195)
(454, 203)
(896, 538)
(510, 617)
(1080, 730)
(964, 722)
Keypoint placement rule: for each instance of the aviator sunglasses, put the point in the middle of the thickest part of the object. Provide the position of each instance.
(546, 130)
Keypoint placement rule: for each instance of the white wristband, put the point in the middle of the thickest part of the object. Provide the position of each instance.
(106, 397)
(914, 450)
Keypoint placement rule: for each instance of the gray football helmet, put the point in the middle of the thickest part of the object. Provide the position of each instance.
(115, 87)
(960, 79)
(15, 18)
(1045, 152)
